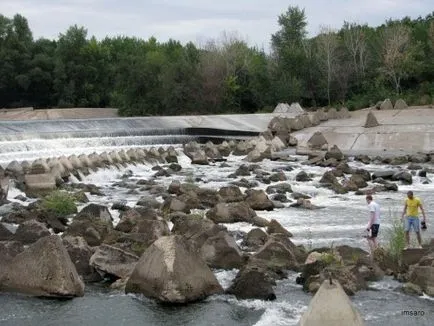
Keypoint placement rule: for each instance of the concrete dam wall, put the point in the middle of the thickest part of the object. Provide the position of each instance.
(408, 131)
(236, 124)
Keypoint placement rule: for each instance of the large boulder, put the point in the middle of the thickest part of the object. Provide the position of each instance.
(43, 269)
(255, 239)
(95, 211)
(170, 271)
(422, 274)
(195, 228)
(359, 181)
(276, 227)
(277, 254)
(384, 174)
(302, 176)
(403, 176)
(258, 200)
(94, 231)
(279, 188)
(330, 181)
(80, 253)
(8, 250)
(221, 251)
(151, 230)
(31, 231)
(335, 153)
(253, 282)
(112, 261)
(130, 218)
(231, 194)
(330, 307)
(231, 213)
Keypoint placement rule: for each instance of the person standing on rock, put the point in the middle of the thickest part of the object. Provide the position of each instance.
(373, 223)
(410, 215)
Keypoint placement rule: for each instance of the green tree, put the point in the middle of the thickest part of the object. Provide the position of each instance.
(290, 66)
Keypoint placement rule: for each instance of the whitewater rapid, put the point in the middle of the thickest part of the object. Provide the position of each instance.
(342, 219)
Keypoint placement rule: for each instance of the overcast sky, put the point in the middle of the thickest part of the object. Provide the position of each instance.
(199, 20)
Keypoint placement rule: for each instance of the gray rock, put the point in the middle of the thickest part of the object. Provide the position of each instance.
(317, 141)
(80, 253)
(95, 211)
(258, 200)
(400, 105)
(386, 105)
(252, 282)
(221, 251)
(171, 272)
(31, 231)
(113, 261)
(371, 121)
(275, 227)
(302, 176)
(48, 272)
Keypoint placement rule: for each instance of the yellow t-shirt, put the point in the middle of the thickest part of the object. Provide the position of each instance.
(413, 206)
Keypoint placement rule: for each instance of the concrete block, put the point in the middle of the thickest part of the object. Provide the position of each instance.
(330, 307)
(44, 181)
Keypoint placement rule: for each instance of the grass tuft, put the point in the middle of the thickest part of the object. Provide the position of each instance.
(60, 203)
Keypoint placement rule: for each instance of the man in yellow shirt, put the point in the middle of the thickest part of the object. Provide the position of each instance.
(411, 215)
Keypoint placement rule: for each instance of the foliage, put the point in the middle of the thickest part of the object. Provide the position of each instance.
(395, 237)
(331, 257)
(355, 66)
(60, 203)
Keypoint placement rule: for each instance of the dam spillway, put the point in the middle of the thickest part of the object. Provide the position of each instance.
(26, 140)
(234, 125)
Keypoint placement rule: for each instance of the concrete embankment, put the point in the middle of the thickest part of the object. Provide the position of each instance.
(399, 131)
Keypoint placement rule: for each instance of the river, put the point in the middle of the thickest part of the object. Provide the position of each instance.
(341, 221)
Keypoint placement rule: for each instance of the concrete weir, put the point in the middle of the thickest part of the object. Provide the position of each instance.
(399, 131)
(225, 125)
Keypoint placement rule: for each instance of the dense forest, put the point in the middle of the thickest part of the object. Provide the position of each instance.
(354, 67)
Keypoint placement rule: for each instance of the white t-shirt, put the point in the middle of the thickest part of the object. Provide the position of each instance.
(374, 207)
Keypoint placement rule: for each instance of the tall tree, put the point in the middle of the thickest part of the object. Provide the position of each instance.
(289, 55)
(328, 45)
(396, 53)
(355, 41)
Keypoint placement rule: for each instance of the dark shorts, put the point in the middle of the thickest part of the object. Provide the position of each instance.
(374, 230)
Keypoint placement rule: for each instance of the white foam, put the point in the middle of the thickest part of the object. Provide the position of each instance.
(240, 226)
(226, 277)
(427, 297)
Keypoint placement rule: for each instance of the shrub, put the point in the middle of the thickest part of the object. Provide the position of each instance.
(395, 237)
(60, 203)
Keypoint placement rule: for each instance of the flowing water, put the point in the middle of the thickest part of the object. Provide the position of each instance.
(342, 220)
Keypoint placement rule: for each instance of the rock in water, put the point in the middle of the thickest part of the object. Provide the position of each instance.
(371, 121)
(43, 269)
(171, 272)
(330, 307)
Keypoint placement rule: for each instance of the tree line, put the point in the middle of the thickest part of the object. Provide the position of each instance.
(354, 66)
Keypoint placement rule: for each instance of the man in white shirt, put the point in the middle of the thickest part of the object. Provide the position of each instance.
(373, 223)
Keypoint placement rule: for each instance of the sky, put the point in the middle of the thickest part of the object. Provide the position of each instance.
(201, 20)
